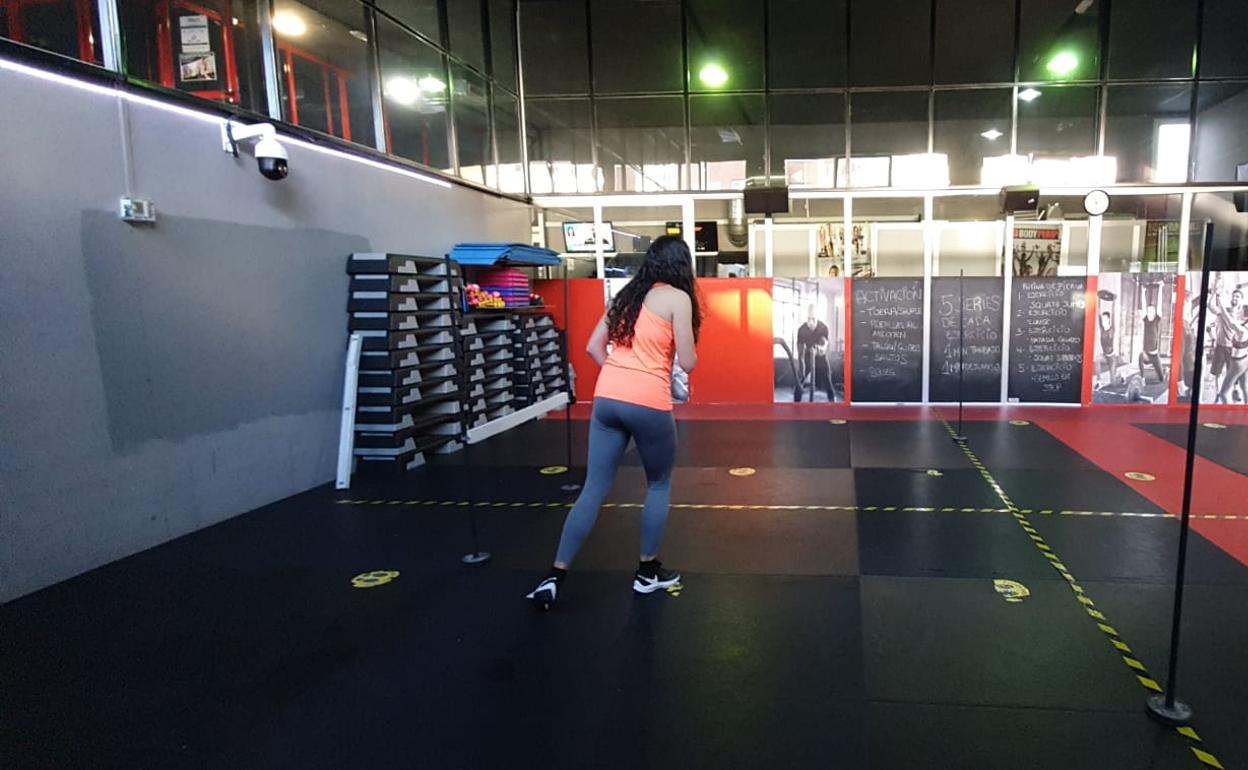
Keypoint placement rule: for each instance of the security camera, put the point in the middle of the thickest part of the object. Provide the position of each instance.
(271, 156)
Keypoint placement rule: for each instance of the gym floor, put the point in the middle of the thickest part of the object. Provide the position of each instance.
(838, 609)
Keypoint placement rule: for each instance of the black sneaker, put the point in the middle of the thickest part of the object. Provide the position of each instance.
(652, 577)
(544, 595)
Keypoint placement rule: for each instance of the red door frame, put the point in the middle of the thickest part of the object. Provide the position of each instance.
(288, 53)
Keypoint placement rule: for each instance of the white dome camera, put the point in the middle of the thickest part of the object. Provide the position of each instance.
(271, 157)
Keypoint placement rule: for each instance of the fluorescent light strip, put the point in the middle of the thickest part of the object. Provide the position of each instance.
(204, 117)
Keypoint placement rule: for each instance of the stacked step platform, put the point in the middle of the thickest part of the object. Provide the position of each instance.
(410, 396)
(539, 355)
(489, 366)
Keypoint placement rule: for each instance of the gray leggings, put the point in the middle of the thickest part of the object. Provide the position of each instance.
(612, 425)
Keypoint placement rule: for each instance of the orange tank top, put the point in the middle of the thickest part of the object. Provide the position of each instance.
(641, 373)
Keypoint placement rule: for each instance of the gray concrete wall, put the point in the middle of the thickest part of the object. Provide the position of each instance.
(156, 380)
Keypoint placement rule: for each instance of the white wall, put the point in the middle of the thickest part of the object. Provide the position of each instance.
(156, 380)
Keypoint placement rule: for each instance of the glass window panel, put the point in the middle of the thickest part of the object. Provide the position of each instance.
(633, 229)
(1221, 142)
(472, 123)
(1228, 250)
(463, 25)
(1151, 38)
(969, 248)
(68, 27)
(188, 51)
(555, 47)
(890, 42)
(887, 238)
(727, 135)
(420, 15)
(636, 46)
(725, 44)
(806, 45)
(1060, 122)
(807, 136)
(560, 151)
(1057, 42)
(503, 42)
(979, 52)
(1222, 49)
(971, 126)
(792, 248)
(966, 208)
(1147, 131)
(414, 85)
(888, 123)
(1140, 234)
(510, 176)
(641, 143)
(324, 79)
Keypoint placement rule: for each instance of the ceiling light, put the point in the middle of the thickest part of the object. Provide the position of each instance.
(358, 35)
(1062, 64)
(431, 85)
(991, 134)
(713, 76)
(402, 90)
(1029, 94)
(288, 24)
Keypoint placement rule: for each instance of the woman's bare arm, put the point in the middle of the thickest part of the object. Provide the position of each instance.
(682, 326)
(597, 346)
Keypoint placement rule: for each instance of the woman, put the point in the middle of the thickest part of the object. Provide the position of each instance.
(1237, 335)
(652, 320)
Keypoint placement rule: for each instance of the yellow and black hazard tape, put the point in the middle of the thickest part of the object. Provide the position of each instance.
(843, 508)
(1137, 667)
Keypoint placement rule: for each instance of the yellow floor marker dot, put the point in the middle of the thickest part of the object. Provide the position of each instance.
(838, 421)
(1140, 476)
(1020, 423)
(1011, 590)
(741, 471)
(934, 472)
(553, 470)
(374, 578)
(1215, 426)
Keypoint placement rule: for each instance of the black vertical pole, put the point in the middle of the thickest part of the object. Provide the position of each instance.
(477, 557)
(571, 486)
(961, 437)
(1165, 708)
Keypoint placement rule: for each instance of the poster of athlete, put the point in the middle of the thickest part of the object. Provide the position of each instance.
(1037, 250)
(1224, 379)
(808, 316)
(1134, 337)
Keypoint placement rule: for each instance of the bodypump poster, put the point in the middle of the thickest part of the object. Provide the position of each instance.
(1037, 250)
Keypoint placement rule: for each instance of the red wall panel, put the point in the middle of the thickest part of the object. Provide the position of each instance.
(735, 348)
(587, 296)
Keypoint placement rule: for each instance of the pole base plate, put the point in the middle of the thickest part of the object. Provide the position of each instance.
(475, 559)
(1178, 715)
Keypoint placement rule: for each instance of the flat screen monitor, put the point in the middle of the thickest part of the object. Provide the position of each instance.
(578, 237)
(705, 234)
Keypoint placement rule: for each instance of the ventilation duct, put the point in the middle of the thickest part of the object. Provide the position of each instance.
(738, 229)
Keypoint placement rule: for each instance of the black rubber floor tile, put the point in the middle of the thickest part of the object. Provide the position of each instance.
(998, 444)
(1213, 664)
(1135, 549)
(956, 641)
(766, 486)
(903, 444)
(909, 736)
(469, 676)
(963, 545)
(1071, 490)
(923, 488)
(1226, 446)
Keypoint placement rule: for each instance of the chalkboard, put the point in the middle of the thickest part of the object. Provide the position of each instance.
(1046, 339)
(888, 339)
(979, 319)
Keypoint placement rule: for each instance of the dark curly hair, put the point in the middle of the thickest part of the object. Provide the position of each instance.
(667, 261)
